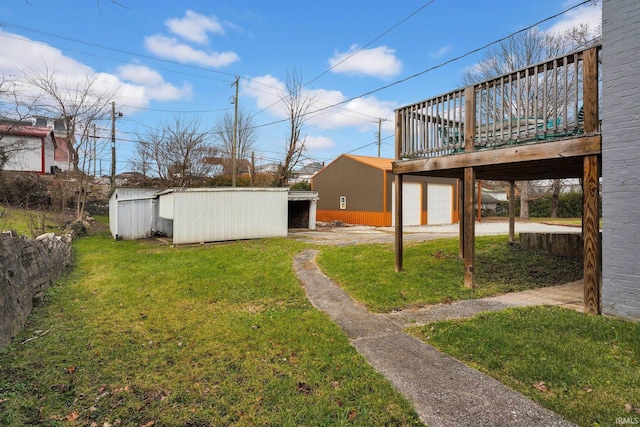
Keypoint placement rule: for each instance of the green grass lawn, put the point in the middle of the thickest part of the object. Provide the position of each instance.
(138, 333)
(28, 222)
(433, 272)
(191, 336)
(585, 367)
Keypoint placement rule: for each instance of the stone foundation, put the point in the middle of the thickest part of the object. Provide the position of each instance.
(28, 268)
(559, 244)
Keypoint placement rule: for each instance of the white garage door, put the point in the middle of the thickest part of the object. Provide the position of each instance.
(439, 203)
(410, 203)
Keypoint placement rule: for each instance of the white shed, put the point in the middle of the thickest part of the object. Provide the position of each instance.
(133, 214)
(216, 214)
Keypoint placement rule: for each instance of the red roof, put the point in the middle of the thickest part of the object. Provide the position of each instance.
(33, 131)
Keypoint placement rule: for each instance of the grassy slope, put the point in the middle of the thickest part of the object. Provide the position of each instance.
(433, 272)
(582, 366)
(219, 335)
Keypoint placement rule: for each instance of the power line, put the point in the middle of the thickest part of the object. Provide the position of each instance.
(370, 43)
(355, 52)
(435, 67)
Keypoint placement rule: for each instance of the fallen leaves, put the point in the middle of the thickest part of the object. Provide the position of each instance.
(352, 414)
(72, 416)
(304, 388)
(541, 386)
(629, 408)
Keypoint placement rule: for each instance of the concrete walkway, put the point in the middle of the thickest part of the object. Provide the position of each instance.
(443, 391)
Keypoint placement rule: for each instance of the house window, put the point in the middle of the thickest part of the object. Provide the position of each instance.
(343, 202)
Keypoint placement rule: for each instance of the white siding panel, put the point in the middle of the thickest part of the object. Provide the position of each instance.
(165, 202)
(29, 158)
(439, 204)
(411, 202)
(209, 215)
(135, 219)
(131, 212)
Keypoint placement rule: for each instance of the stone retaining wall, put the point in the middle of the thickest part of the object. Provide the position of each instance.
(559, 244)
(27, 269)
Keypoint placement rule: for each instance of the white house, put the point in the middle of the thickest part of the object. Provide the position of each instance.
(27, 148)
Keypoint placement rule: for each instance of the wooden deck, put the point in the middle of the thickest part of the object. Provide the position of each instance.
(541, 122)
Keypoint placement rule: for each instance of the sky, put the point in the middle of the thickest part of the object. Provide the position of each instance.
(357, 60)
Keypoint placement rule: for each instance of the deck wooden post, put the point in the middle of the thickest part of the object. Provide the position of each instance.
(512, 212)
(469, 119)
(398, 184)
(591, 236)
(590, 90)
(461, 216)
(469, 228)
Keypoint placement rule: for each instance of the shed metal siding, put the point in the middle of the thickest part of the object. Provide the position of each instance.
(219, 214)
(131, 213)
(135, 219)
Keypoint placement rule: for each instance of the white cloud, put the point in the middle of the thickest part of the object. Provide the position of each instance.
(588, 14)
(377, 62)
(441, 51)
(319, 142)
(195, 27)
(169, 47)
(153, 83)
(136, 85)
(361, 113)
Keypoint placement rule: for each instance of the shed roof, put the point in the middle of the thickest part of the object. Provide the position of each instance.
(33, 131)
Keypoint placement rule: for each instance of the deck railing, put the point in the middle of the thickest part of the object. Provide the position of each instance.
(548, 101)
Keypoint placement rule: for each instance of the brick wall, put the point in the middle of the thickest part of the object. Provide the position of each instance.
(27, 269)
(621, 159)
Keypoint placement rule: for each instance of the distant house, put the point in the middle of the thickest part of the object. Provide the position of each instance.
(360, 190)
(306, 172)
(63, 158)
(27, 148)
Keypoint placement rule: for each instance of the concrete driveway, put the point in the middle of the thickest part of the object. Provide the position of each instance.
(363, 234)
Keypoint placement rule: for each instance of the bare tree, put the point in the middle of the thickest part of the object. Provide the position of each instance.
(80, 105)
(296, 103)
(518, 52)
(177, 153)
(246, 137)
(14, 112)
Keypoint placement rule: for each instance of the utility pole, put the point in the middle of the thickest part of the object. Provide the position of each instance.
(235, 135)
(113, 144)
(94, 150)
(379, 135)
(380, 120)
(253, 169)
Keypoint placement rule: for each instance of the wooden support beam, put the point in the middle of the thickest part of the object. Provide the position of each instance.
(479, 208)
(512, 212)
(591, 236)
(461, 216)
(578, 147)
(590, 90)
(398, 184)
(469, 119)
(469, 228)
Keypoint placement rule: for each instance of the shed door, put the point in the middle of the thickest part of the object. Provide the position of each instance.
(439, 203)
(410, 203)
